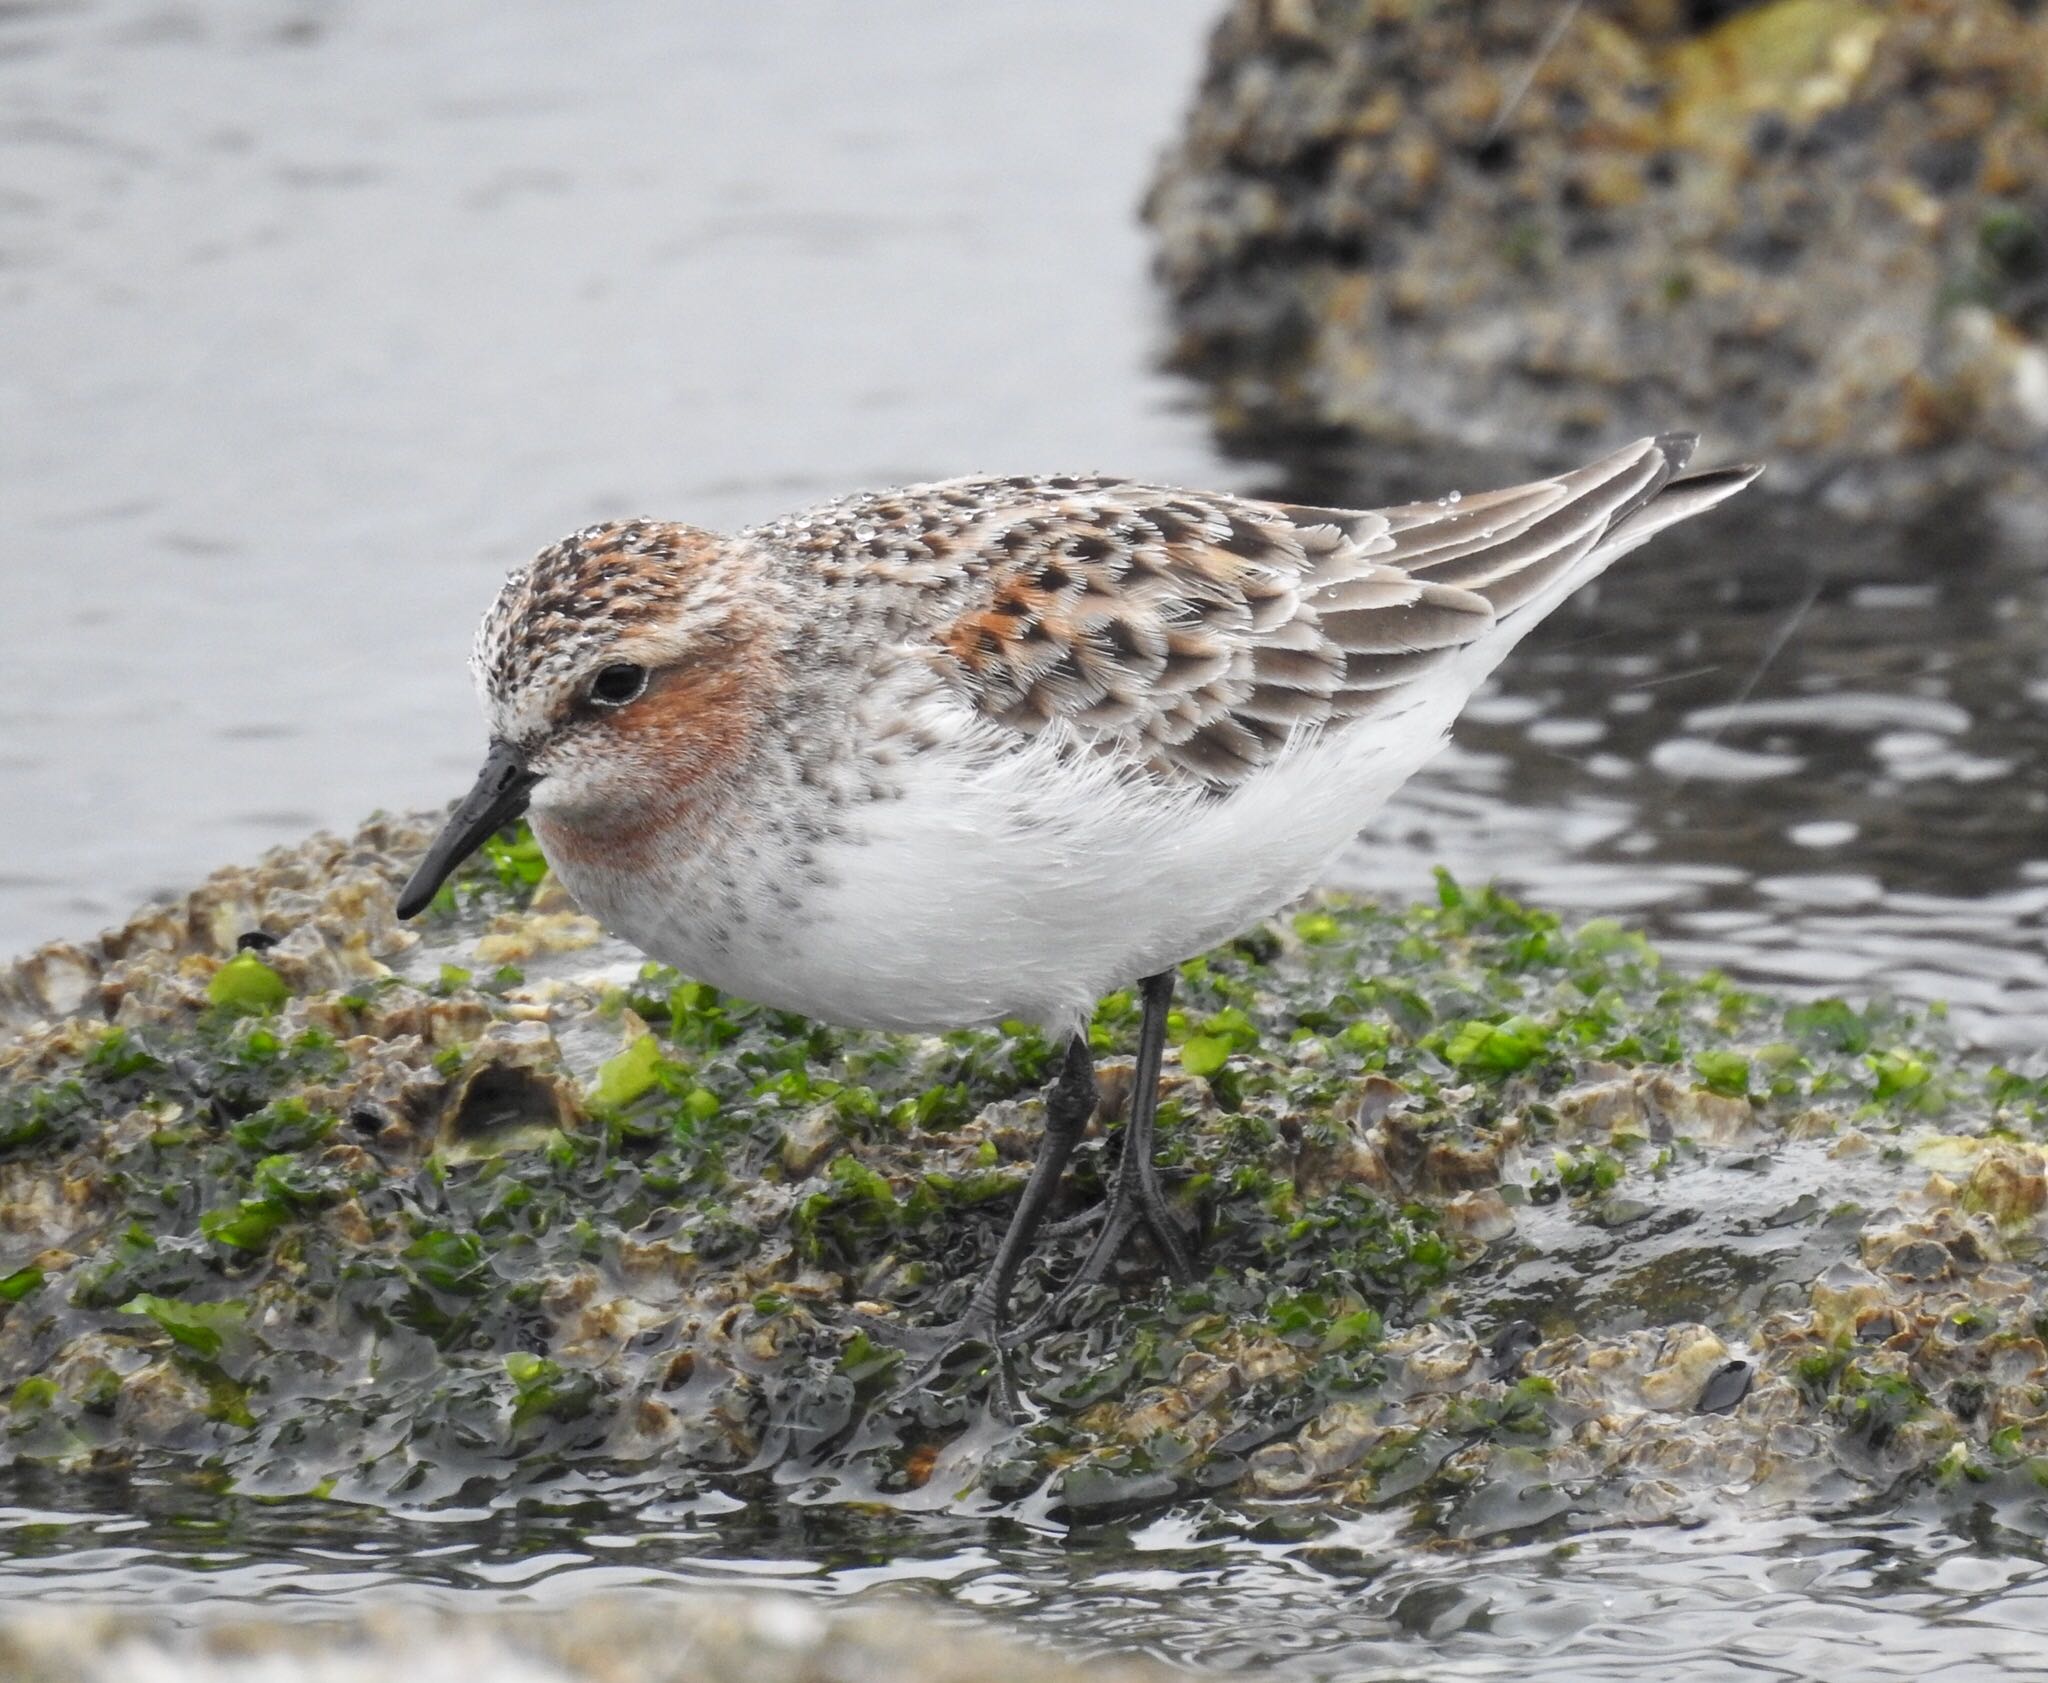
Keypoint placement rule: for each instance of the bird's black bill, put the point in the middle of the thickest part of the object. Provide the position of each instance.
(498, 798)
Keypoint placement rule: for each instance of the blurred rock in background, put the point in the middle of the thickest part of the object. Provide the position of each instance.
(643, 1637)
(1815, 229)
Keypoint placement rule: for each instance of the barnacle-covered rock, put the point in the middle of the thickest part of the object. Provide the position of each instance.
(510, 1094)
(1817, 228)
(54, 982)
(1500, 1220)
(652, 1638)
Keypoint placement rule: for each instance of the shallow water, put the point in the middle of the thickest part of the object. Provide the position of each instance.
(318, 318)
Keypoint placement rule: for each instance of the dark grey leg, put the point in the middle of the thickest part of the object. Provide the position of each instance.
(1067, 1109)
(1068, 1106)
(1135, 1166)
(1135, 1195)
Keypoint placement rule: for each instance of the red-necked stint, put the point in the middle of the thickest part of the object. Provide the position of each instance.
(992, 748)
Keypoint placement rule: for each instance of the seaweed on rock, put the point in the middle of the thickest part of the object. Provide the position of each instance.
(1502, 1220)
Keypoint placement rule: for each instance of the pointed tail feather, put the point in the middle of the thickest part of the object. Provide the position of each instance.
(1493, 564)
(1652, 495)
(1680, 500)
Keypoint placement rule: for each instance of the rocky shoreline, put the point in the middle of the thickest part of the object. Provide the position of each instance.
(1508, 1224)
(1816, 230)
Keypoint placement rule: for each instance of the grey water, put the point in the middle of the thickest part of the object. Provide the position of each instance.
(318, 315)
(1881, 1595)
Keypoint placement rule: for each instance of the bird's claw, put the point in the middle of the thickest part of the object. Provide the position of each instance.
(1118, 1222)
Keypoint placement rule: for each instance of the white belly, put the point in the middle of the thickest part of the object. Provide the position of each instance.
(1023, 887)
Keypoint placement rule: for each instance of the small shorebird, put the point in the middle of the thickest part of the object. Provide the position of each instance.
(992, 748)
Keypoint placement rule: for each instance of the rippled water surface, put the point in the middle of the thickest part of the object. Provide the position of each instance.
(1882, 1596)
(320, 316)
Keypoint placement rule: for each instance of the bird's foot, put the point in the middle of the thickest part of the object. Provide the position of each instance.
(935, 1348)
(1087, 1221)
(1127, 1210)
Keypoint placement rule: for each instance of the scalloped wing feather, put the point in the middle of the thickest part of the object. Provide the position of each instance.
(1192, 635)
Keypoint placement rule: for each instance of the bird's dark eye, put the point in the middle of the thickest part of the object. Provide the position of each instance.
(618, 684)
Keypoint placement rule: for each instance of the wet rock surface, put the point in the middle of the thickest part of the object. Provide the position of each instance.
(1816, 229)
(1506, 1225)
(603, 1639)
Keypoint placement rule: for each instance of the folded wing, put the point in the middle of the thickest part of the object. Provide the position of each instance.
(1190, 635)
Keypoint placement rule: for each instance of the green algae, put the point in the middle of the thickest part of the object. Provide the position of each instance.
(516, 860)
(23, 1282)
(203, 1328)
(1726, 1073)
(246, 983)
(637, 1070)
